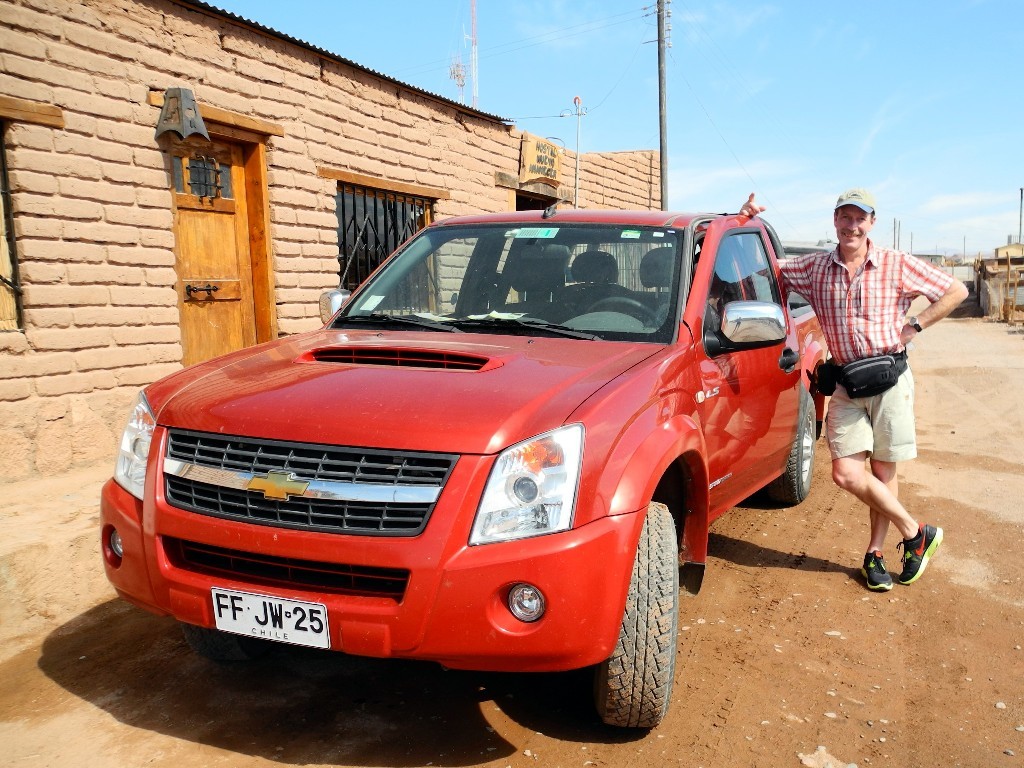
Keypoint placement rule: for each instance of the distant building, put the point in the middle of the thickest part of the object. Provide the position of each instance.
(1000, 282)
(797, 247)
(1013, 250)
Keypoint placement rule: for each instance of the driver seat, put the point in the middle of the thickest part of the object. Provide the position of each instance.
(595, 276)
(595, 267)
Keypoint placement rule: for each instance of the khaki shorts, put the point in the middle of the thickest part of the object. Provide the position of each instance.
(882, 425)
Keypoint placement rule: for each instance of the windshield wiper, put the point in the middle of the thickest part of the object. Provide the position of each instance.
(382, 318)
(525, 324)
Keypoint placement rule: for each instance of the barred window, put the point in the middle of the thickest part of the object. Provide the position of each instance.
(202, 176)
(10, 290)
(371, 224)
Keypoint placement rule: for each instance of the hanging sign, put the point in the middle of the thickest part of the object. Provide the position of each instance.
(540, 161)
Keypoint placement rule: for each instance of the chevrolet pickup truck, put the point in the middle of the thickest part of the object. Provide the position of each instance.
(502, 452)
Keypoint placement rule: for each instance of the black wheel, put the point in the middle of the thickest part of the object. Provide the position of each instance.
(625, 306)
(795, 483)
(633, 688)
(222, 646)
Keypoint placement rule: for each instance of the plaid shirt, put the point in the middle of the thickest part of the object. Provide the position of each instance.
(863, 315)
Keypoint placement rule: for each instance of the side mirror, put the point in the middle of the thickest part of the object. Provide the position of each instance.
(331, 301)
(753, 323)
(746, 325)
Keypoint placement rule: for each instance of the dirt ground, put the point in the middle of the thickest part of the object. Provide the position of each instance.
(785, 659)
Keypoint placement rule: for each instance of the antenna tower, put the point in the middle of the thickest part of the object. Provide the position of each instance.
(473, 56)
(457, 72)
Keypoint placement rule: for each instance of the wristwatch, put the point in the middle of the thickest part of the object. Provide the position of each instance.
(912, 322)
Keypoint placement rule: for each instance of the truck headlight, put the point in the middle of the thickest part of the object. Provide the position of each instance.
(130, 472)
(532, 488)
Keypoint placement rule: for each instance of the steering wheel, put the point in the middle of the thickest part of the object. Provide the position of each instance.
(625, 306)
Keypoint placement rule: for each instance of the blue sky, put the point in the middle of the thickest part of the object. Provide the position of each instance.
(920, 101)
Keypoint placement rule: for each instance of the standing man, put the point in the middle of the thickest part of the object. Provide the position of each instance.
(861, 294)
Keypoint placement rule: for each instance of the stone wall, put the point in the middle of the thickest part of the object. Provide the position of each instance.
(92, 207)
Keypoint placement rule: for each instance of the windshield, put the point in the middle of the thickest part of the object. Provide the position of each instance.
(580, 281)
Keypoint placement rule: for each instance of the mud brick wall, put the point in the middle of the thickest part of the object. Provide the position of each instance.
(620, 180)
(92, 210)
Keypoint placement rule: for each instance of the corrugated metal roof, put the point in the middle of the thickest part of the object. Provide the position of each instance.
(234, 17)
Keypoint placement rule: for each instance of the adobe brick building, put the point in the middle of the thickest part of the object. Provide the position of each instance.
(125, 256)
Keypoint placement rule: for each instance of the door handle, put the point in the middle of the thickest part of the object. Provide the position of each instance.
(788, 360)
(193, 289)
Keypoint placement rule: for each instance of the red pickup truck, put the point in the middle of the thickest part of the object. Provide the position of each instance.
(502, 453)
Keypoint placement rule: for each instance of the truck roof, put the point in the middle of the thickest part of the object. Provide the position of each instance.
(589, 216)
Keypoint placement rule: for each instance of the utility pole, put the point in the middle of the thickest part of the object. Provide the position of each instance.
(579, 112)
(663, 99)
(1020, 216)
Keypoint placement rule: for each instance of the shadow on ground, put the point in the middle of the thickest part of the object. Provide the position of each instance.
(304, 706)
(751, 555)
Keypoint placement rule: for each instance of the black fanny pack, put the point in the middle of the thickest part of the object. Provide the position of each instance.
(863, 378)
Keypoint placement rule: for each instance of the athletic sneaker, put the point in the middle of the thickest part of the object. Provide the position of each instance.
(918, 551)
(874, 571)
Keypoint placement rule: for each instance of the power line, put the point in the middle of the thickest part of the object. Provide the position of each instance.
(503, 49)
(625, 72)
(721, 63)
(732, 152)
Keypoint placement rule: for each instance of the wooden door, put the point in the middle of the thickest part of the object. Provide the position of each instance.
(213, 262)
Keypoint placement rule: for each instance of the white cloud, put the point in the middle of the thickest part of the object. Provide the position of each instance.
(965, 200)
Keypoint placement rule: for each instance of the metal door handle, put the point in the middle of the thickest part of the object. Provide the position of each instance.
(210, 290)
(788, 360)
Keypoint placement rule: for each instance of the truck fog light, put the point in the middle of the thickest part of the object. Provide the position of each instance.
(116, 545)
(526, 602)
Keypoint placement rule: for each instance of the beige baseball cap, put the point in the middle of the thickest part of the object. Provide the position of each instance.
(859, 197)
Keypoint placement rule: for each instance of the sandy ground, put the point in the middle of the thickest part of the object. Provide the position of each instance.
(784, 658)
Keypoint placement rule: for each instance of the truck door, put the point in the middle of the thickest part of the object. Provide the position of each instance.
(749, 399)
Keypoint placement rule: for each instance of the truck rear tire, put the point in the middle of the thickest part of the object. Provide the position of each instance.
(795, 483)
(222, 646)
(633, 688)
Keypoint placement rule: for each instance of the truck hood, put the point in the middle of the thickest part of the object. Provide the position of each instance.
(408, 391)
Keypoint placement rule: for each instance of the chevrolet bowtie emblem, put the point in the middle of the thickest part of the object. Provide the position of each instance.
(278, 485)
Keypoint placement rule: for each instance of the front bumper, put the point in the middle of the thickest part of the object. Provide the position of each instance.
(453, 609)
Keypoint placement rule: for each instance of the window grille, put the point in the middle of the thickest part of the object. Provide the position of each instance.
(10, 288)
(371, 224)
(202, 176)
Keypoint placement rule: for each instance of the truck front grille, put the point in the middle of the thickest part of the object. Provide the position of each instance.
(287, 572)
(328, 489)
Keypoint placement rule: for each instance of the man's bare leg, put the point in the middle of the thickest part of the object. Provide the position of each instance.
(886, 472)
(850, 473)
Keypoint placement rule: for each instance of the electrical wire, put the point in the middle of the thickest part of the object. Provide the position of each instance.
(625, 71)
(777, 211)
(734, 76)
(515, 46)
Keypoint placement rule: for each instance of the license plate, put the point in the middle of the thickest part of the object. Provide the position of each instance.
(271, 618)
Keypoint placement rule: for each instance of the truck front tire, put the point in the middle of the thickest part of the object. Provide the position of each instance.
(633, 688)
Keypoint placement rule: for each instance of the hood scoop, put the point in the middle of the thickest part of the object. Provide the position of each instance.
(401, 357)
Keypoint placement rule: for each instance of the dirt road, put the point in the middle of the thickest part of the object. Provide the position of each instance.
(783, 652)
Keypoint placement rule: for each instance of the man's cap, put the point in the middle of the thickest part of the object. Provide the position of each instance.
(859, 197)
